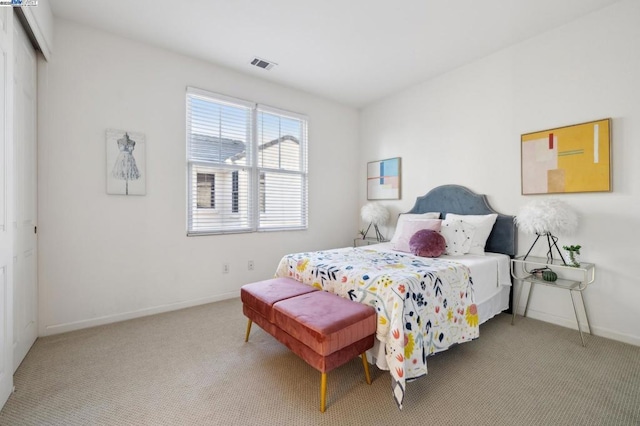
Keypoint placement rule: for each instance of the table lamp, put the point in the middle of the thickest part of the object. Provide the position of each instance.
(376, 215)
(547, 218)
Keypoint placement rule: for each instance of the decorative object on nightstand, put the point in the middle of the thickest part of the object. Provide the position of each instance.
(573, 253)
(376, 215)
(545, 274)
(547, 218)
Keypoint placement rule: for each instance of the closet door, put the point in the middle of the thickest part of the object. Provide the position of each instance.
(25, 279)
(6, 204)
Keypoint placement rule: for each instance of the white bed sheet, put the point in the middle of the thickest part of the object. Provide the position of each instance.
(491, 287)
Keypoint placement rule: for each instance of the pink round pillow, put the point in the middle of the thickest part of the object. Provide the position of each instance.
(427, 243)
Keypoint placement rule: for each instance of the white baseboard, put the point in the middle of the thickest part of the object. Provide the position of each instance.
(108, 319)
(571, 323)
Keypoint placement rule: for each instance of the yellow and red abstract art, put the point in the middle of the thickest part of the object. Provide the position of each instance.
(574, 158)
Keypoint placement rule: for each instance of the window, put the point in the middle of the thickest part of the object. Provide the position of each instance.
(235, 192)
(247, 166)
(206, 191)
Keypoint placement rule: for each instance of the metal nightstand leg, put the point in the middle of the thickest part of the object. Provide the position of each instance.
(577, 319)
(575, 310)
(584, 306)
(526, 307)
(516, 299)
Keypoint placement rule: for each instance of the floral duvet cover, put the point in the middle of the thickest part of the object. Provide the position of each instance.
(423, 305)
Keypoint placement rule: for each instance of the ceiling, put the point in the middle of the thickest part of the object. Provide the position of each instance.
(350, 51)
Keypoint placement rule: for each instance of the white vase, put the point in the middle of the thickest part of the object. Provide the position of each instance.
(572, 258)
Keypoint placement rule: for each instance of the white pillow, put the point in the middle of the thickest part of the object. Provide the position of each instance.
(410, 227)
(483, 225)
(411, 216)
(457, 235)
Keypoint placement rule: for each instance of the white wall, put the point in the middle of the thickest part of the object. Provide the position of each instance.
(105, 258)
(464, 128)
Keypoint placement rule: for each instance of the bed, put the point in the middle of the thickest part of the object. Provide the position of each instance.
(423, 305)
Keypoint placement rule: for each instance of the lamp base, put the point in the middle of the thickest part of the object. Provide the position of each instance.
(379, 236)
(552, 242)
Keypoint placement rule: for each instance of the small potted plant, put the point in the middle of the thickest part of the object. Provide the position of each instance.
(573, 253)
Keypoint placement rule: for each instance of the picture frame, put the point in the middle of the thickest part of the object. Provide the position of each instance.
(126, 163)
(569, 159)
(384, 179)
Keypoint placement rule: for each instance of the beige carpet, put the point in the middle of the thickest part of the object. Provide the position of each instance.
(192, 367)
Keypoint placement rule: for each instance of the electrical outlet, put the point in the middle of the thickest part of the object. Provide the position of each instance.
(225, 268)
(250, 265)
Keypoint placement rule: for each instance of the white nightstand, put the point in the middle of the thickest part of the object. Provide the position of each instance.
(574, 279)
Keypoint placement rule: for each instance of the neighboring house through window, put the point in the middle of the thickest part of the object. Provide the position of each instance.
(235, 192)
(247, 166)
(206, 191)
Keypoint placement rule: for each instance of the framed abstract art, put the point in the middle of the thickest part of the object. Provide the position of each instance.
(569, 159)
(383, 179)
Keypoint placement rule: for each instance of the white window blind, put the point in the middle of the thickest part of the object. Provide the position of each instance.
(247, 166)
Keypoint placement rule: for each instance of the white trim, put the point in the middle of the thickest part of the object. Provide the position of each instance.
(277, 111)
(40, 21)
(254, 179)
(571, 323)
(218, 97)
(226, 231)
(109, 319)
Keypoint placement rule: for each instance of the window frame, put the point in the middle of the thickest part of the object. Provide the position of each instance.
(256, 181)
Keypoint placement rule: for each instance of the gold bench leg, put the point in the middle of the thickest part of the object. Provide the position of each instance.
(323, 382)
(323, 392)
(246, 337)
(366, 367)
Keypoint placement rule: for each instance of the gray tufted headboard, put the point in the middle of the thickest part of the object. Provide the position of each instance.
(460, 200)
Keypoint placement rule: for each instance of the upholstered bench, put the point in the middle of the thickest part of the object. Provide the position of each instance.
(323, 329)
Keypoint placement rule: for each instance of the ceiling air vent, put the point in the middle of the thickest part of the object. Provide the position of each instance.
(261, 63)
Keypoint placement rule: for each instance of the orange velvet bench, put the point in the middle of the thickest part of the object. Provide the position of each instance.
(323, 329)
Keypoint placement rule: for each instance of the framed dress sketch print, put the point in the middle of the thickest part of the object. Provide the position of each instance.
(383, 179)
(126, 165)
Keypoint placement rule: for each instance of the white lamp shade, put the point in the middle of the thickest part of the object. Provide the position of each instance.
(374, 213)
(550, 216)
